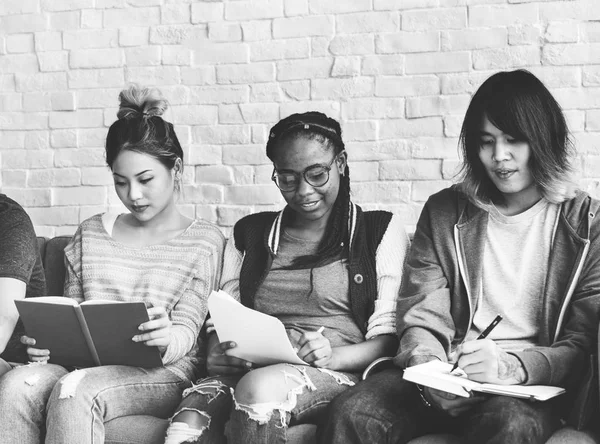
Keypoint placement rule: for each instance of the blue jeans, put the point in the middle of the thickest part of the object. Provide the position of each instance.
(221, 399)
(45, 403)
(386, 409)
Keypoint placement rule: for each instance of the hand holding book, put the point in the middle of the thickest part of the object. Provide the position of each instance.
(157, 331)
(61, 331)
(35, 354)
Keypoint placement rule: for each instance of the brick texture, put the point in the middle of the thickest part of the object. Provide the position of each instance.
(397, 74)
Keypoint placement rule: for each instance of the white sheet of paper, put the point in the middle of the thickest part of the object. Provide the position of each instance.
(260, 338)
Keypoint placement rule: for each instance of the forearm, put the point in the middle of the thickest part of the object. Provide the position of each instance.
(7, 325)
(356, 357)
(11, 290)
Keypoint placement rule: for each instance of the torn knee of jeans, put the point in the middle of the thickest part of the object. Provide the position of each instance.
(340, 378)
(181, 432)
(303, 380)
(70, 383)
(263, 411)
(211, 389)
(32, 380)
(202, 417)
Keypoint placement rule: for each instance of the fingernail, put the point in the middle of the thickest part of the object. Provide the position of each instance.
(248, 364)
(135, 339)
(232, 344)
(141, 328)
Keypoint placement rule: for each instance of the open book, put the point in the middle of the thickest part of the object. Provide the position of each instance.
(88, 334)
(260, 338)
(436, 374)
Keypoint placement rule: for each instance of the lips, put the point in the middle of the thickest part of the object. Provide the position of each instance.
(139, 208)
(504, 173)
(309, 205)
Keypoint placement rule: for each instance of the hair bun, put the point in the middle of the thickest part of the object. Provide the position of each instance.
(137, 102)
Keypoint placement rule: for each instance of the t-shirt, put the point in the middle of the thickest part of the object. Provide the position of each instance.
(306, 303)
(19, 259)
(517, 251)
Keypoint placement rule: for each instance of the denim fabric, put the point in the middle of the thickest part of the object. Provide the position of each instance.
(36, 406)
(386, 409)
(229, 418)
(306, 403)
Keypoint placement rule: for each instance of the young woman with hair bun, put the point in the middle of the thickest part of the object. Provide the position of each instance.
(152, 253)
(328, 270)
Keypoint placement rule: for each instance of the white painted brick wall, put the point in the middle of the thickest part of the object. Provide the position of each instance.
(398, 74)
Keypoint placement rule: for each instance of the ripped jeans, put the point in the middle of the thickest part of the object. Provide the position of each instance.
(239, 408)
(45, 403)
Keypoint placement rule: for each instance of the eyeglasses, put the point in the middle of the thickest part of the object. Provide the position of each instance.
(315, 176)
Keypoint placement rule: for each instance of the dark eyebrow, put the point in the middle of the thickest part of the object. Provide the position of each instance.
(137, 175)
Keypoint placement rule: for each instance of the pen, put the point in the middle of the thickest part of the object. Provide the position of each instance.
(320, 331)
(484, 334)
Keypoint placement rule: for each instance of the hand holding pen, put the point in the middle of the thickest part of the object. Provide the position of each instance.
(314, 348)
(484, 334)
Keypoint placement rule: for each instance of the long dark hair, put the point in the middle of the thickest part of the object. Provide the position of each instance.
(518, 104)
(317, 126)
(141, 128)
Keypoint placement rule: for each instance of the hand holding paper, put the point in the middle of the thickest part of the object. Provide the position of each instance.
(260, 338)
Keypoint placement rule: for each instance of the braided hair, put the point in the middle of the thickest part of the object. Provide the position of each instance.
(317, 126)
(141, 128)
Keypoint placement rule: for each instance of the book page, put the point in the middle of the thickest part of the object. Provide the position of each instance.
(62, 300)
(537, 392)
(437, 375)
(102, 302)
(260, 338)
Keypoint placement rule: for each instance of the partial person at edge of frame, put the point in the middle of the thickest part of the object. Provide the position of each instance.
(119, 257)
(514, 238)
(320, 262)
(21, 276)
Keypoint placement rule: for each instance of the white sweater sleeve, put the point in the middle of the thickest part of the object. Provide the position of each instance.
(389, 259)
(230, 276)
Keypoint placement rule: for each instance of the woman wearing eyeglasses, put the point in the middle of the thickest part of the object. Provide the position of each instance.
(329, 271)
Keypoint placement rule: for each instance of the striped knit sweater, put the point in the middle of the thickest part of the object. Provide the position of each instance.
(178, 274)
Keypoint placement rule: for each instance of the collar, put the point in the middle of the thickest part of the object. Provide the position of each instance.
(275, 231)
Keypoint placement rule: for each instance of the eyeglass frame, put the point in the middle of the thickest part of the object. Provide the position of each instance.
(302, 174)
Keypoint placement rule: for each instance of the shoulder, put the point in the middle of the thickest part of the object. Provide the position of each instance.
(11, 213)
(89, 227)
(583, 212)
(254, 225)
(256, 220)
(17, 236)
(377, 218)
(91, 224)
(207, 231)
(447, 199)
(385, 226)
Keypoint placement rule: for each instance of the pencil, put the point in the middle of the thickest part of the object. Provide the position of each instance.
(484, 334)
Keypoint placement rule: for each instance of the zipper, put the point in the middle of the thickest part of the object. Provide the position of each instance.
(462, 270)
(571, 290)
